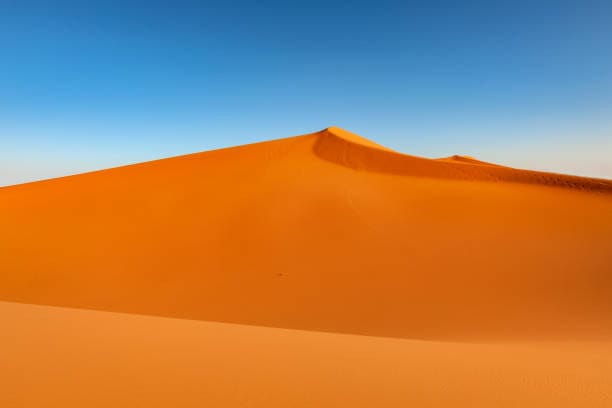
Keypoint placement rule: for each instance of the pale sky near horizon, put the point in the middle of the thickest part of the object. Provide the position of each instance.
(97, 84)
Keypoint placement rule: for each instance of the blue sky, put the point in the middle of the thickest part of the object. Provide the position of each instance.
(92, 84)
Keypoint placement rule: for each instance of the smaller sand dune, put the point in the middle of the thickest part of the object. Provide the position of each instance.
(467, 160)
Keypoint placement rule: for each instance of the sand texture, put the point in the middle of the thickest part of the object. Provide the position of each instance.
(375, 279)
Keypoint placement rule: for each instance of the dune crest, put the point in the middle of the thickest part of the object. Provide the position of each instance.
(351, 137)
(344, 148)
(326, 231)
(467, 159)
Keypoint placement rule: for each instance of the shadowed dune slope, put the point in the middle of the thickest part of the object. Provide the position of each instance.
(55, 357)
(334, 145)
(326, 231)
(466, 159)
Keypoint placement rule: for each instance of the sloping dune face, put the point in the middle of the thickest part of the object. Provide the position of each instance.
(326, 231)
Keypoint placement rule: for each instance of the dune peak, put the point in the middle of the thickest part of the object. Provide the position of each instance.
(353, 137)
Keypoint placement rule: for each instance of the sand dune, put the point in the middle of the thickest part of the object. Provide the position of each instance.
(326, 231)
(54, 357)
(477, 285)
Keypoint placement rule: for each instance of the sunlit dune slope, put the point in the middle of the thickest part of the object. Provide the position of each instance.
(326, 231)
(54, 357)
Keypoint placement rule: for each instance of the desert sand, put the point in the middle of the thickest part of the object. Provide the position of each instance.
(376, 279)
(55, 357)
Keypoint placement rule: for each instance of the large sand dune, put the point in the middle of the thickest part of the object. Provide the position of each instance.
(326, 231)
(477, 285)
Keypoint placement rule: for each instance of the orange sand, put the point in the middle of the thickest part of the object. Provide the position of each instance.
(54, 357)
(322, 232)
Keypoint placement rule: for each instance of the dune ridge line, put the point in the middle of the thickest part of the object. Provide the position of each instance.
(345, 148)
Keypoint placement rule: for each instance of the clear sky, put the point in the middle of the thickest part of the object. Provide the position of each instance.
(92, 84)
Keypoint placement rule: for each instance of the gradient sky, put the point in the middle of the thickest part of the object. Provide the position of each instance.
(92, 84)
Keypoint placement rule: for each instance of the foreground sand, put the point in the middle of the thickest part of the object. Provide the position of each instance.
(56, 357)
